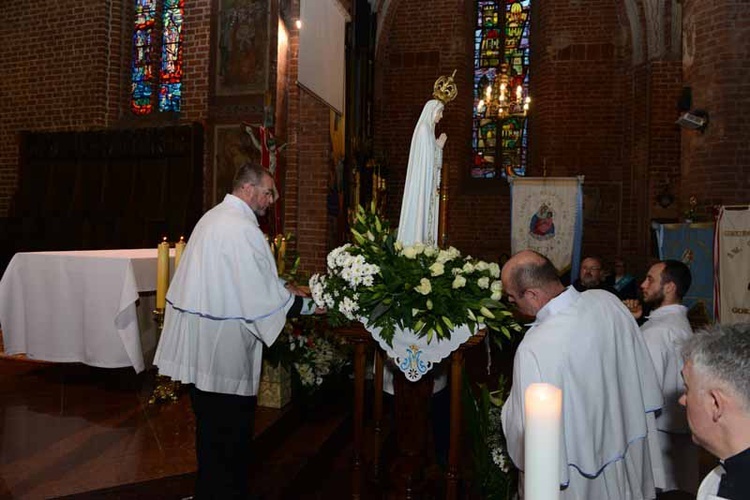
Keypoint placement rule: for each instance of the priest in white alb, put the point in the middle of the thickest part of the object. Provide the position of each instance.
(665, 331)
(588, 345)
(226, 300)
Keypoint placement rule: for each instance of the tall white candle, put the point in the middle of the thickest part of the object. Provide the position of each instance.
(543, 414)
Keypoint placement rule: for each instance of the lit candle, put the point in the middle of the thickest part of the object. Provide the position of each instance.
(519, 93)
(543, 414)
(179, 247)
(162, 273)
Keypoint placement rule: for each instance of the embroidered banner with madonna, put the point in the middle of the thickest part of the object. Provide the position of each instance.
(547, 217)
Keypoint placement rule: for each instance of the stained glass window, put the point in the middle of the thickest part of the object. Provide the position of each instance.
(501, 36)
(156, 74)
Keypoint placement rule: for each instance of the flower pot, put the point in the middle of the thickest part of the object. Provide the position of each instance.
(275, 389)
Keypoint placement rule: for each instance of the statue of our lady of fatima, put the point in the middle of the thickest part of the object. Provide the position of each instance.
(421, 202)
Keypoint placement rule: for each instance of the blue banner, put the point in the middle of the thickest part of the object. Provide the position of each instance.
(692, 244)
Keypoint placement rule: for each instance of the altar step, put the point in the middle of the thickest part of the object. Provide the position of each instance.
(296, 457)
(299, 458)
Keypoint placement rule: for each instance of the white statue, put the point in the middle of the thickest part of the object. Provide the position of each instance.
(421, 202)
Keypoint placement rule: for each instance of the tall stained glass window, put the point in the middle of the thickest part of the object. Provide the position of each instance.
(501, 36)
(156, 75)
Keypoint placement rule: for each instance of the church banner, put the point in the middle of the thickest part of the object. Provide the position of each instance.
(732, 245)
(547, 217)
(691, 244)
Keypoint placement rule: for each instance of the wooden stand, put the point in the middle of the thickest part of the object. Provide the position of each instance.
(412, 400)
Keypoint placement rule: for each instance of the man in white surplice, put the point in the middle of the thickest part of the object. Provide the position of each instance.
(588, 345)
(667, 328)
(420, 205)
(226, 300)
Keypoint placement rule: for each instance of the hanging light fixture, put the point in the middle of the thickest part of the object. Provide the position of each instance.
(503, 101)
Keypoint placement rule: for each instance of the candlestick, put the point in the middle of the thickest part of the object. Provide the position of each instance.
(162, 273)
(179, 247)
(543, 414)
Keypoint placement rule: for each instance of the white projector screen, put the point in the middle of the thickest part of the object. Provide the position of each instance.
(322, 65)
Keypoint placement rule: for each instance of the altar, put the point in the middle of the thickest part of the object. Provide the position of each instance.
(93, 307)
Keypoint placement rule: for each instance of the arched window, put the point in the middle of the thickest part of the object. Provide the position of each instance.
(156, 74)
(501, 39)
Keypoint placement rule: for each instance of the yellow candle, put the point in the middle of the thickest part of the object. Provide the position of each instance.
(543, 415)
(162, 273)
(179, 247)
(280, 258)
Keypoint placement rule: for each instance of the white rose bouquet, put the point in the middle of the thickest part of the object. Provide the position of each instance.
(422, 288)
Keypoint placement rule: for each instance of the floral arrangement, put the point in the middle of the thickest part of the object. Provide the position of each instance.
(315, 354)
(493, 472)
(431, 291)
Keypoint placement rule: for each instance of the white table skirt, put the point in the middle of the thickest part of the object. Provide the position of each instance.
(92, 307)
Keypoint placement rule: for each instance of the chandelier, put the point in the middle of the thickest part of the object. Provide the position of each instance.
(503, 101)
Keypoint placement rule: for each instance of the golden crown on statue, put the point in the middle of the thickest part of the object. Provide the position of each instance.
(445, 89)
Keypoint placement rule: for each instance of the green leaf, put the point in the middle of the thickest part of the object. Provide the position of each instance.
(486, 312)
(379, 310)
(439, 330)
(448, 323)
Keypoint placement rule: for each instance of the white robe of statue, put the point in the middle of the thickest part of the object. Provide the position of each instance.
(420, 205)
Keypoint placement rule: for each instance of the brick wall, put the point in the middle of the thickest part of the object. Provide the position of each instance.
(64, 66)
(595, 113)
(308, 160)
(577, 123)
(54, 73)
(579, 77)
(314, 160)
(716, 164)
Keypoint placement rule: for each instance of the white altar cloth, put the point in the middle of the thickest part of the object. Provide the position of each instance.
(413, 355)
(80, 306)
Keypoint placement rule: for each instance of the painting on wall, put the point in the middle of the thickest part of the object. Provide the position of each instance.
(242, 48)
(231, 149)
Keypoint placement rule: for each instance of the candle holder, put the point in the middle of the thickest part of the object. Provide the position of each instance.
(158, 319)
(166, 389)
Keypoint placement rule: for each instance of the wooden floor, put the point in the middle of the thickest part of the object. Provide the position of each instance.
(74, 430)
(84, 433)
